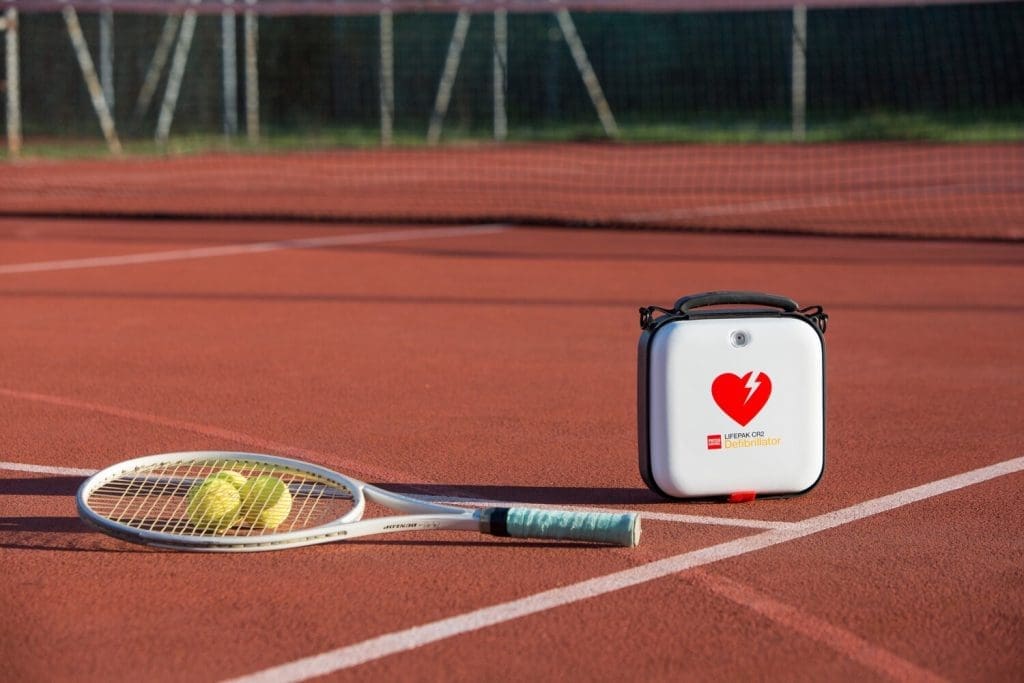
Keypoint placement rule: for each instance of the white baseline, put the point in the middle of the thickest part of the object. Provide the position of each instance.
(249, 248)
(418, 636)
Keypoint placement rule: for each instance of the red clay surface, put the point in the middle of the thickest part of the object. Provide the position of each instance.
(910, 189)
(502, 365)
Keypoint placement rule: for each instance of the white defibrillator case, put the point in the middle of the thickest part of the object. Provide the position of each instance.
(731, 399)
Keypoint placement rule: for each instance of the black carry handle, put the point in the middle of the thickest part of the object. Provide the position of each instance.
(652, 316)
(687, 303)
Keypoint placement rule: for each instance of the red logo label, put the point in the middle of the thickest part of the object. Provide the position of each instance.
(714, 442)
(741, 398)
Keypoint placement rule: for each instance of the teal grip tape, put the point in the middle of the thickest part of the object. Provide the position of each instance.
(596, 527)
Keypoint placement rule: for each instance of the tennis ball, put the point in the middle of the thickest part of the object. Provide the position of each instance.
(213, 504)
(266, 501)
(230, 476)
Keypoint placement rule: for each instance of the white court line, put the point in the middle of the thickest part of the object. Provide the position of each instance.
(660, 516)
(418, 636)
(250, 248)
(46, 469)
(718, 521)
(846, 643)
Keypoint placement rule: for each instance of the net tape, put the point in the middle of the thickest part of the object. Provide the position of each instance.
(358, 7)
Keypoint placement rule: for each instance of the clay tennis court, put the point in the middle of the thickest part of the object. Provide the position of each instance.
(496, 362)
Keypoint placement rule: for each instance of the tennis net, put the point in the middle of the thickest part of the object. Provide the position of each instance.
(849, 117)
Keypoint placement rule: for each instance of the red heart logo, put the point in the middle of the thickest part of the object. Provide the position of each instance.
(741, 398)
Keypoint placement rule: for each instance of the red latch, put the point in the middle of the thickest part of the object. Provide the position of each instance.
(742, 496)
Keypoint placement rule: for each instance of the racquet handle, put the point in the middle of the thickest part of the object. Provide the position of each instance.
(595, 527)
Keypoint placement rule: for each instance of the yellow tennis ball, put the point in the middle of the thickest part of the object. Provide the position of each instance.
(266, 501)
(213, 504)
(230, 476)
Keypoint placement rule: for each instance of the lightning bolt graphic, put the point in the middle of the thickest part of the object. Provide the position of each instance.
(751, 385)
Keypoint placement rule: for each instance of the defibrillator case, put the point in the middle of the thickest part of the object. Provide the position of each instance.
(731, 396)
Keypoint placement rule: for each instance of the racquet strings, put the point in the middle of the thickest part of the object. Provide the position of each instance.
(157, 499)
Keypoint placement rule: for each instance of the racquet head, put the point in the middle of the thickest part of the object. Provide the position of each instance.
(217, 500)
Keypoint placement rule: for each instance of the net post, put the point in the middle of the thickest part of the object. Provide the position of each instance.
(500, 74)
(107, 53)
(579, 54)
(177, 73)
(387, 76)
(448, 75)
(799, 73)
(92, 82)
(10, 27)
(229, 67)
(252, 77)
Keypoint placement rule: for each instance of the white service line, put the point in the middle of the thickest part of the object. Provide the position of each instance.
(250, 248)
(418, 636)
(719, 521)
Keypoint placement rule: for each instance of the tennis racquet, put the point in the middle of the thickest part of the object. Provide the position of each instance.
(225, 501)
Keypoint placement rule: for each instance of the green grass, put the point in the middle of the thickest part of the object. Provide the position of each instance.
(1007, 127)
(924, 128)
